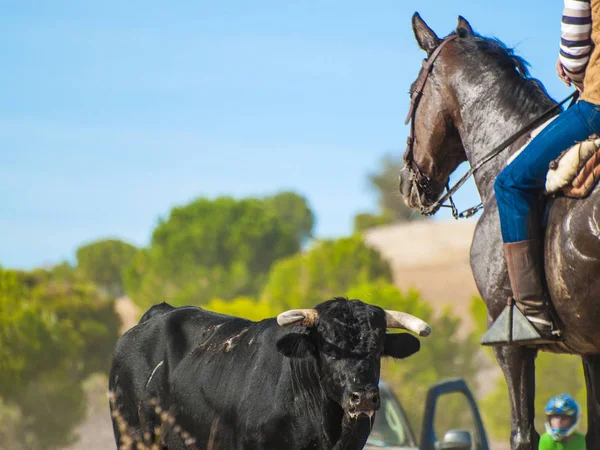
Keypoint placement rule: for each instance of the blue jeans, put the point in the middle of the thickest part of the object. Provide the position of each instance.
(519, 186)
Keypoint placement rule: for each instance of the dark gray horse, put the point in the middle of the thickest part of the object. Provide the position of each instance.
(476, 95)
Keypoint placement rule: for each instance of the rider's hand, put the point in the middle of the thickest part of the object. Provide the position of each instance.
(560, 70)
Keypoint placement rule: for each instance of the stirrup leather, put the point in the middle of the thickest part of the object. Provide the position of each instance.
(544, 322)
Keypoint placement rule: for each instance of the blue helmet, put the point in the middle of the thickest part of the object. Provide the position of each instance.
(563, 405)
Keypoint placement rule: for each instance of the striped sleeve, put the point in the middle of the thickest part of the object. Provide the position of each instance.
(576, 42)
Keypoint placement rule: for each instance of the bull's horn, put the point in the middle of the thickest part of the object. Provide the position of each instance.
(396, 319)
(298, 317)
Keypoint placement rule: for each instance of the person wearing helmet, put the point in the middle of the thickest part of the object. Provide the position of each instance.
(562, 416)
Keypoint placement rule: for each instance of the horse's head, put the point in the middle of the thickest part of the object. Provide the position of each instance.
(435, 148)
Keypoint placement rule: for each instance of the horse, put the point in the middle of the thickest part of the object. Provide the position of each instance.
(472, 93)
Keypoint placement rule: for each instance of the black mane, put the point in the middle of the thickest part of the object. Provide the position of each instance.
(511, 71)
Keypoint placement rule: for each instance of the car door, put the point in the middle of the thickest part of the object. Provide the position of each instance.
(391, 428)
(466, 430)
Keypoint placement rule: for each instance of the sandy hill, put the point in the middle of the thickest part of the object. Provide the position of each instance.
(432, 257)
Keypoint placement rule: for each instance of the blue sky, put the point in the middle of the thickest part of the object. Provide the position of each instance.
(113, 112)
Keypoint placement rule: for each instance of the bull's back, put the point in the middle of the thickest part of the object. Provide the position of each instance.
(157, 310)
(164, 337)
(148, 353)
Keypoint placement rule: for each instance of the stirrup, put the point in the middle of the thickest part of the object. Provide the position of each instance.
(512, 327)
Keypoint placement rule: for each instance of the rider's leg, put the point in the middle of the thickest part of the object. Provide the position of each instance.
(518, 189)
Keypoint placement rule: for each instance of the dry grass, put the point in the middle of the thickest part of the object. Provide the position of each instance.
(133, 440)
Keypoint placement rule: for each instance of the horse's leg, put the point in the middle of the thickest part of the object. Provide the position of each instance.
(518, 365)
(591, 367)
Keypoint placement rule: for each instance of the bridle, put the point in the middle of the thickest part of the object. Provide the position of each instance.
(425, 184)
(421, 181)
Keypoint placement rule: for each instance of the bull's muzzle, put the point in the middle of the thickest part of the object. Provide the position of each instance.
(363, 403)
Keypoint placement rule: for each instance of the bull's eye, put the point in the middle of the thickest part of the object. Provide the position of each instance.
(332, 354)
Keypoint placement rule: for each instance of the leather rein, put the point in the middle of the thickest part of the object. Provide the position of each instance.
(425, 184)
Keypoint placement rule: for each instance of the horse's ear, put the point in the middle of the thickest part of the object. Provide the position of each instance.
(424, 35)
(463, 29)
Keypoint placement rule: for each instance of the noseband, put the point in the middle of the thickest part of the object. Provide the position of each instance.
(422, 182)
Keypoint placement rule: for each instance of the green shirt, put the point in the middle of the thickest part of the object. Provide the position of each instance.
(575, 442)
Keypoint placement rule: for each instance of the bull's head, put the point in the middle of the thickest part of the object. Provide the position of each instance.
(348, 339)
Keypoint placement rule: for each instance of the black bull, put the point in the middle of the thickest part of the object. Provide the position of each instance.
(306, 380)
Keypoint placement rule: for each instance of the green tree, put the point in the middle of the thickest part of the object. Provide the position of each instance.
(53, 334)
(329, 269)
(294, 210)
(103, 262)
(364, 221)
(219, 248)
(221, 232)
(385, 183)
(245, 307)
(26, 339)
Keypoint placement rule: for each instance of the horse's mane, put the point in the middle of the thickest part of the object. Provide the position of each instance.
(511, 71)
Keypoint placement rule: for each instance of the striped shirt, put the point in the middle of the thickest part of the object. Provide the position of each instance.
(576, 38)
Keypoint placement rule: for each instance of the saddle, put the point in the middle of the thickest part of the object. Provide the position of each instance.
(576, 171)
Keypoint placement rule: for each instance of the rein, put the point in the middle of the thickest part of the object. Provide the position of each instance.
(426, 184)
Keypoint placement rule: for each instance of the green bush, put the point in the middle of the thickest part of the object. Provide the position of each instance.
(53, 334)
(330, 269)
(102, 262)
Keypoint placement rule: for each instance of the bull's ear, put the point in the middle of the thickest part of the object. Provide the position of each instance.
(401, 345)
(295, 345)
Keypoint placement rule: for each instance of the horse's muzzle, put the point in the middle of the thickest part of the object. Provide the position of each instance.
(405, 183)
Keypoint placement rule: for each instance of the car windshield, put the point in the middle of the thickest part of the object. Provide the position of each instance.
(390, 428)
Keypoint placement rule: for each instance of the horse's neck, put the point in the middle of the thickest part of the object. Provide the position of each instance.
(485, 122)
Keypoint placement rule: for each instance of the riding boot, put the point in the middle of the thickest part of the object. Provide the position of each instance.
(525, 274)
(531, 324)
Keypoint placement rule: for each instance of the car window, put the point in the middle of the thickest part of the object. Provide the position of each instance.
(390, 428)
(453, 412)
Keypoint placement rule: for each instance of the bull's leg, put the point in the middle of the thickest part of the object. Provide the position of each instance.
(591, 367)
(518, 365)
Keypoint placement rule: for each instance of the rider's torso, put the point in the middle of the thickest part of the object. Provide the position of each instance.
(591, 92)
